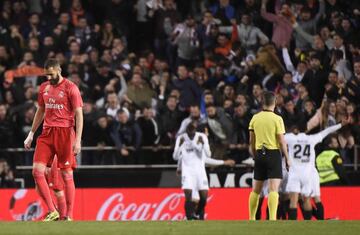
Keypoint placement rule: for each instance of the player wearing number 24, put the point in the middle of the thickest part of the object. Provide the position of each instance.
(303, 176)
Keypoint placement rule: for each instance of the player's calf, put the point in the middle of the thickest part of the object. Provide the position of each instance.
(294, 197)
(69, 191)
(42, 186)
(307, 209)
(202, 204)
(61, 202)
(189, 205)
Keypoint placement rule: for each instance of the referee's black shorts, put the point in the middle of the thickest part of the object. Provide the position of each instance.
(268, 165)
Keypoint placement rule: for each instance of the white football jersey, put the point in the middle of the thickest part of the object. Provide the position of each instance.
(302, 147)
(192, 154)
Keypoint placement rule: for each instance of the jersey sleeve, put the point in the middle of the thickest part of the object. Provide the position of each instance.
(322, 134)
(288, 138)
(177, 149)
(213, 162)
(206, 146)
(251, 124)
(280, 127)
(40, 98)
(75, 97)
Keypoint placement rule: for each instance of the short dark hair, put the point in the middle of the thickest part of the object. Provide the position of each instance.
(339, 54)
(191, 127)
(328, 140)
(172, 97)
(145, 106)
(121, 111)
(208, 93)
(288, 72)
(51, 63)
(269, 98)
(195, 105)
(210, 105)
(305, 10)
(334, 71)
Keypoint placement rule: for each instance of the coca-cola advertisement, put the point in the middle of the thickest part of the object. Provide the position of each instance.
(162, 204)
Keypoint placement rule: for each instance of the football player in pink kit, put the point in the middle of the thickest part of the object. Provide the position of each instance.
(60, 106)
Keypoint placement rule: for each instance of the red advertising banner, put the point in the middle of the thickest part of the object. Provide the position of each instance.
(162, 204)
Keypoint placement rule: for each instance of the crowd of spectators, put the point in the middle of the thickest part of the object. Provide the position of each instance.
(146, 68)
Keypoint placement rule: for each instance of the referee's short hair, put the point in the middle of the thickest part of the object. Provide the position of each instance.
(269, 98)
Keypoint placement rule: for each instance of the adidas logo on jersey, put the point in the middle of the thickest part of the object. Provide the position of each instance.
(67, 163)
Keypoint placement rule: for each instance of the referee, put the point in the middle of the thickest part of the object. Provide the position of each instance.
(266, 140)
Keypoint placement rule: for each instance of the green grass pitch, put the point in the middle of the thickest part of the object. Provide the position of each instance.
(183, 227)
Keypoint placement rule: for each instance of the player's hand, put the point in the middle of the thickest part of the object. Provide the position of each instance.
(178, 172)
(287, 164)
(77, 147)
(124, 152)
(229, 162)
(182, 140)
(28, 140)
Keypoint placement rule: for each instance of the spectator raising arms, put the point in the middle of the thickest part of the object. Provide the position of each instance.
(147, 68)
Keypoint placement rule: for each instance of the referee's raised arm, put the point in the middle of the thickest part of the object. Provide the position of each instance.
(266, 144)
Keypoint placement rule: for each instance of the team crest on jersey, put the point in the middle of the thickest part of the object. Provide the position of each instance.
(61, 94)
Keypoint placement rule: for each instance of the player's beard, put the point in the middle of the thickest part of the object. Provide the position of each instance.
(54, 81)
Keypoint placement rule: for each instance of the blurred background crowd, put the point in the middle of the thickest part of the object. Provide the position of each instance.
(146, 68)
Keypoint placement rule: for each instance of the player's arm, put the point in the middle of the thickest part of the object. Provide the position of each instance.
(79, 122)
(179, 141)
(283, 148)
(215, 162)
(280, 130)
(206, 146)
(252, 149)
(178, 169)
(38, 118)
(322, 134)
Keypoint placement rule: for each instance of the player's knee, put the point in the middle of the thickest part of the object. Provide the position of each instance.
(67, 175)
(317, 199)
(257, 186)
(274, 187)
(38, 169)
(293, 204)
(59, 193)
(36, 172)
(203, 196)
(188, 195)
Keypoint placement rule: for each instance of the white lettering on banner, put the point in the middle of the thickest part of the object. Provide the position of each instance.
(145, 211)
(244, 178)
(214, 181)
(230, 181)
